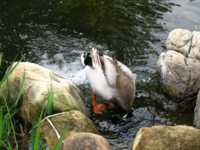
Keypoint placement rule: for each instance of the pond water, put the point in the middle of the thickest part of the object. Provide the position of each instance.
(54, 33)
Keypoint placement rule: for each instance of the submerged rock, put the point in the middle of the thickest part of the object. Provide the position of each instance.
(86, 141)
(39, 87)
(63, 125)
(197, 112)
(167, 138)
(179, 67)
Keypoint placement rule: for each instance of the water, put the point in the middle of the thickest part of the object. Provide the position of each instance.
(54, 33)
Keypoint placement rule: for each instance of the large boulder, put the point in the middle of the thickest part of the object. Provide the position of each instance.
(41, 89)
(180, 75)
(167, 138)
(87, 141)
(179, 66)
(179, 40)
(60, 126)
(184, 42)
(197, 112)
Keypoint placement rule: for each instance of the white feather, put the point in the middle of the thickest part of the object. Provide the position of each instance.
(103, 74)
(111, 71)
(99, 83)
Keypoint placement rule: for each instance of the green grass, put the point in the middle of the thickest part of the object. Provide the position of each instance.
(1, 57)
(10, 121)
(8, 137)
(49, 108)
(35, 138)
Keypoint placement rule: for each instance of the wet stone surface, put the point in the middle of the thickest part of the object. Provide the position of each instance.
(120, 131)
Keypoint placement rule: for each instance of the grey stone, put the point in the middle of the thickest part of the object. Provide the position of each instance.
(179, 40)
(179, 67)
(180, 75)
(197, 112)
(86, 141)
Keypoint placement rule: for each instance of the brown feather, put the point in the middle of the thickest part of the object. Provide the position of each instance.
(125, 88)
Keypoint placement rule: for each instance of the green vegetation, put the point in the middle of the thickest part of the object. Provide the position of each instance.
(16, 134)
(1, 56)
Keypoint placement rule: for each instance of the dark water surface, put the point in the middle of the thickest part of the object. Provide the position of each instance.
(54, 33)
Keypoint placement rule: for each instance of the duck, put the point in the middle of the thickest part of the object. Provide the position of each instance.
(110, 79)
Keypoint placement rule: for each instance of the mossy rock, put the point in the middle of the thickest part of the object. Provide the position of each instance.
(63, 125)
(167, 138)
(39, 84)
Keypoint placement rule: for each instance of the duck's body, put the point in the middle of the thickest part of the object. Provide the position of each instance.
(110, 79)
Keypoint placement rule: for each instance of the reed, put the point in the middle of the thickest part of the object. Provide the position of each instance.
(9, 123)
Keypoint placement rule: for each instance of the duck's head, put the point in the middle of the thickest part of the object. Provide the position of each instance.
(86, 59)
(91, 58)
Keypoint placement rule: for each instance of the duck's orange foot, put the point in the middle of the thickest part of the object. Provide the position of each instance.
(110, 105)
(99, 108)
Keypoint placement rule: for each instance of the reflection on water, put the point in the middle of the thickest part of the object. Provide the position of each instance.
(123, 27)
(185, 15)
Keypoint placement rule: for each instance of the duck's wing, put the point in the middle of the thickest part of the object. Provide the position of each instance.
(126, 91)
(109, 70)
(112, 67)
(125, 85)
(96, 62)
(127, 71)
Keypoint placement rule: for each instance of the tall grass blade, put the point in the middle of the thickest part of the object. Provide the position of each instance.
(1, 125)
(36, 138)
(58, 146)
(50, 101)
(9, 146)
(7, 112)
(11, 123)
(8, 72)
(1, 58)
(50, 98)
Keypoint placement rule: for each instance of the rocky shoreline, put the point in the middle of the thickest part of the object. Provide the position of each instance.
(65, 117)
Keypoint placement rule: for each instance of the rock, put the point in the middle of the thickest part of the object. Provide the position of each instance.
(87, 141)
(179, 67)
(180, 76)
(195, 47)
(39, 83)
(184, 42)
(197, 112)
(64, 124)
(179, 40)
(167, 138)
